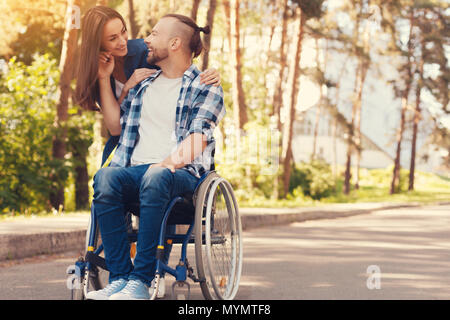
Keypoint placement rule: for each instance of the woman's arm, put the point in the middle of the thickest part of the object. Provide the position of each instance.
(110, 107)
(137, 76)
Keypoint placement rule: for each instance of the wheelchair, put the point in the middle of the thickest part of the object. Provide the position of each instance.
(211, 216)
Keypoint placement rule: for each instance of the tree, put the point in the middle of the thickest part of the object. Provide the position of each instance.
(429, 49)
(293, 83)
(304, 11)
(320, 79)
(278, 95)
(238, 95)
(134, 28)
(194, 11)
(407, 71)
(359, 46)
(417, 115)
(207, 37)
(64, 90)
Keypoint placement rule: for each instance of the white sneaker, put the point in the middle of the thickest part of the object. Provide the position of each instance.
(134, 290)
(161, 290)
(107, 291)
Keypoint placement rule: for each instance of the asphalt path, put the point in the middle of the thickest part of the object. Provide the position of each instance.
(390, 254)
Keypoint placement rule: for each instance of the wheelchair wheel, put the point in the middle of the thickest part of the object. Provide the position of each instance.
(92, 280)
(218, 244)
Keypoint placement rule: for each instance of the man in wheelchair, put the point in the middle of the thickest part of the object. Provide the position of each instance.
(166, 144)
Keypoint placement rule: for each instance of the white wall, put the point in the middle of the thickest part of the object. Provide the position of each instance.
(302, 147)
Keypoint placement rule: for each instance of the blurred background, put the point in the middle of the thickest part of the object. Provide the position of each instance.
(327, 101)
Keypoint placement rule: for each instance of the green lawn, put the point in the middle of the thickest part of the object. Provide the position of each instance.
(374, 187)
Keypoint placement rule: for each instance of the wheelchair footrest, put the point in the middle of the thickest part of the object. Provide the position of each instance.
(96, 260)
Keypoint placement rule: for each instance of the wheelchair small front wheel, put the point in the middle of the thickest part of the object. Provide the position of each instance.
(155, 287)
(94, 279)
(219, 253)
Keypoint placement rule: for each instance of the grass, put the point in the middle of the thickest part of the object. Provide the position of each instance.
(374, 187)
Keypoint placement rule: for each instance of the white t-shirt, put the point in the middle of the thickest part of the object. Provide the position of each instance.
(157, 123)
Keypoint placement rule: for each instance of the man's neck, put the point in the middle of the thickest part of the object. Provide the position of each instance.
(174, 69)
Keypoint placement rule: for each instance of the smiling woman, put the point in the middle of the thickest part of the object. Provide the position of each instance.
(104, 35)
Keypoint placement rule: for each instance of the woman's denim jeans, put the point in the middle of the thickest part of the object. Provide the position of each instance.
(153, 188)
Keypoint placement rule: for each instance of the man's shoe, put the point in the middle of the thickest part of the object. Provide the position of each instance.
(161, 290)
(134, 290)
(107, 291)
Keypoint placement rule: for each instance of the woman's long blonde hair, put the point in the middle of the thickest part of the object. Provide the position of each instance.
(92, 26)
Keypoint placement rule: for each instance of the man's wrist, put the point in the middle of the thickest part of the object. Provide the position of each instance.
(169, 162)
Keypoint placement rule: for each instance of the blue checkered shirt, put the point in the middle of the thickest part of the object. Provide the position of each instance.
(199, 109)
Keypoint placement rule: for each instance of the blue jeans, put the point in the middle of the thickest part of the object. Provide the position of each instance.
(153, 188)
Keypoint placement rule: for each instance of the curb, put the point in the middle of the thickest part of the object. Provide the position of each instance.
(262, 220)
(19, 246)
(27, 245)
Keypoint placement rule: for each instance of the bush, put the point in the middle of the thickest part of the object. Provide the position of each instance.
(313, 179)
(27, 111)
(382, 178)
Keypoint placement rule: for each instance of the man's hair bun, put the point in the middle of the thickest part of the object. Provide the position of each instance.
(205, 30)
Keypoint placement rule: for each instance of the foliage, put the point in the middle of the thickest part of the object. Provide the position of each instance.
(32, 27)
(251, 167)
(313, 179)
(27, 111)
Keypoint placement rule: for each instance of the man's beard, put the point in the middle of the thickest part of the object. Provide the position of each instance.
(157, 56)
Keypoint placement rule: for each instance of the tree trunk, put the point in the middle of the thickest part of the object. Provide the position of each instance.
(396, 172)
(357, 132)
(194, 11)
(417, 116)
(348, 162)
(351, 134)
(65, 66)
(365, 61)
(405, 95)
(319, 104)
(278, 95)
(207, 37)
(335, 124)
(81, 180)
(294, 85)
(134, 28)
(238, 98)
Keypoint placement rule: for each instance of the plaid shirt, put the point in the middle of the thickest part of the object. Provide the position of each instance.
(199, 109)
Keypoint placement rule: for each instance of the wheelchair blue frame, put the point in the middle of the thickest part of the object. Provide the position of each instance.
(180, 272)
(181, 269)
